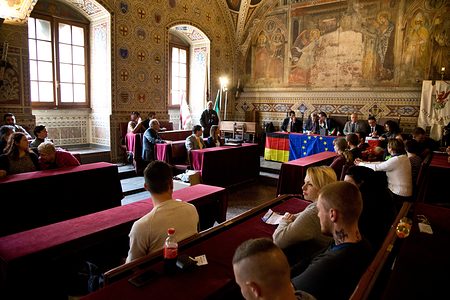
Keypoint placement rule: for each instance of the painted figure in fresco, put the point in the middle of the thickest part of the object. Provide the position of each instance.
(416, 51)
(275, 67)
(441, 42)
(385, 46)
(261, 56)
(305, 38)
(304, 47)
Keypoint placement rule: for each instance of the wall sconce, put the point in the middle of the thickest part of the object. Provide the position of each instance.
(442, 73)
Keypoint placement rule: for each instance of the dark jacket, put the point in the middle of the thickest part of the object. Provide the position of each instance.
(296, 126)
(378, 128)
(150, 139)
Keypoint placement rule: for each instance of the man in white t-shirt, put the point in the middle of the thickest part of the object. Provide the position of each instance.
(149, 232)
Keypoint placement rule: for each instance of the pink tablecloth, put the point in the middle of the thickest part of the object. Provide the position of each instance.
(293, 172)
(227, 165)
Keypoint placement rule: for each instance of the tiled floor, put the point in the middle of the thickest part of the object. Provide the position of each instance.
(241, 198)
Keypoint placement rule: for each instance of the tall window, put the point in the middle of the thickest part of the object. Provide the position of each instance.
(178, 71)
(58, 62)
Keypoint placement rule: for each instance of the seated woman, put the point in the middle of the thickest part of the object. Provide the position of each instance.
(214, 137)
(52, 158)
(392, 130)
(135, 118)
(378, 207)
(300, 234)
(18, 158)
(343, 158)
(398, 171)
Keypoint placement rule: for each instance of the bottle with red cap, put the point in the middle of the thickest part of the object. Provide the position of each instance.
(170, 251)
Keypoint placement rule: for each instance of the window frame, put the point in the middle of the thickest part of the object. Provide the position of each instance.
(54, 26)
(187, 49)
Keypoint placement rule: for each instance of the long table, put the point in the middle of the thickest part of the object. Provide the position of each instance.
(421, 270)
(44, 197)
(283, 146)
(436, 181)
(31, 258)
(227, 165)
(292, 173)
(211, 281)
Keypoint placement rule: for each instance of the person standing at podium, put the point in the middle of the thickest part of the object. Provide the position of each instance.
(208, 118)
(291, 123)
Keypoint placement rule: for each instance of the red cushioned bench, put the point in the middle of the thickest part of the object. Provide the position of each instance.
(33, 256)
(44, 197)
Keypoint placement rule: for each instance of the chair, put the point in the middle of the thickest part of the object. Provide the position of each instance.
(340, 121)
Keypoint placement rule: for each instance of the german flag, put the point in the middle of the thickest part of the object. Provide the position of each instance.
(277, 147)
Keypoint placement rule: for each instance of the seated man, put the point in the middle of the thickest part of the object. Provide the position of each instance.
(353, 125)
(5, 132)
(353, 141)
(40, 132)
(149, 232)
(375, 130)
(334, 273)
(327, 126)
(195, 140)
(362, 141)
(52, 158)
(312, 124)
(150, 139)
(425, 143)
(10, 119)
(291, 124)
(262, 271)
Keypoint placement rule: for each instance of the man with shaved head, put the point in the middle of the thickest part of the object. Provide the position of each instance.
(208, 118)
(262, 271)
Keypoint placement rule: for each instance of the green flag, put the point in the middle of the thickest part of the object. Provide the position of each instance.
(217, 104)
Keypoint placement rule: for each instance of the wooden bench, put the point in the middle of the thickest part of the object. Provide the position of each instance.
(44, 197)
(32, 258)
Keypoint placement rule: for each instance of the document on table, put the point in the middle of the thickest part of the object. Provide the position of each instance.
(272, 217)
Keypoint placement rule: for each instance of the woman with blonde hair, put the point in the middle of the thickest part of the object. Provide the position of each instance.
(214, 137)
(302, 230)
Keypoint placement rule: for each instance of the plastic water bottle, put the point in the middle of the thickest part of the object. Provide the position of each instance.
(170, 252)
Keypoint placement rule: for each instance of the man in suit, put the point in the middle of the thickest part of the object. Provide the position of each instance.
(195, 140)
(291, 123)
(354, 125)
(150, 139)
(209, 118)
(327, 126)
(375, 130)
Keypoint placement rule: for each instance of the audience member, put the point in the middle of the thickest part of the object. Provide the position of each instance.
(412, 150)
(150, 139)
(327, 126)
(135, 119)
(403, 137)
(343, 158)
(41, 134)
(353, 125)
(379, 211)
(149, 232)
(262, 272)
(353, 141)
(362, 145)
(446, 135)
(312, 123)
(392, 130)
(10, 119)
(334, 273)
(17, 157)
(214, 137)
(208, 118)
(195, 140)
(299, 234)
(375, 130)
(291, 123)
(425, 143)
(52, 158)
(398, 171)
(145, 124)
(5, 132)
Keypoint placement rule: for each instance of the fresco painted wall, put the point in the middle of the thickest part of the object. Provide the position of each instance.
(351, 44)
